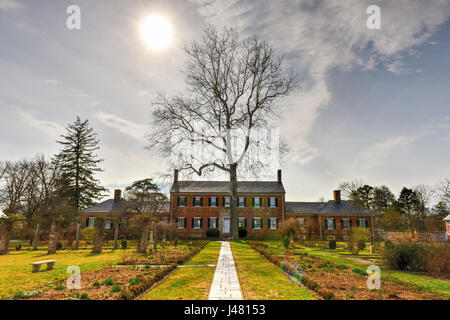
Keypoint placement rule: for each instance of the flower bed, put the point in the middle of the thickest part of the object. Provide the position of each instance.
(339, 282)
(107, 284)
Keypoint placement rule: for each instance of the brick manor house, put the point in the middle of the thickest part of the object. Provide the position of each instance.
(196, 206)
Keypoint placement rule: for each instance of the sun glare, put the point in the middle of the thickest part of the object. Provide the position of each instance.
(156, 32)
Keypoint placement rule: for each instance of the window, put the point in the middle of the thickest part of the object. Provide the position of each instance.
(272, 202)
(213, 202)
(346, 224)
(257, 223)
(226, 202)
(301, 221)
(241, 202)
(198, 201)
(213, 223)
(363, 223)
(182, 201)
(242, 222)
(90, 221)
(181, 223)
(123, 223)
(330, 224)
(273, 223)
(165, 220)
(257, 202)
(197, 223)
(107, 224)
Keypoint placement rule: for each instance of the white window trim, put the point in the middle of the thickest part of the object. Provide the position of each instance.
(239, 202)
(260, 202)
(197, 219)
(327, 219)
(195, 200)
(108, 224)
(90, 225)
(273, 220)
(211, 220)
(258, 219)
(274, 202)
(363, 225)
(348, 224)
(225, 205)
(217, 200)
(185, 200)
(181, 219)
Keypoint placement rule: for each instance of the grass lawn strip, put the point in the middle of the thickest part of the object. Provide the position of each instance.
(189, 283)
(261, 280)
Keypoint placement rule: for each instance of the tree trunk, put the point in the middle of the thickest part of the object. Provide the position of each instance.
(155, 237)
(99, 232)
(5, 229)
(36, 237)
(116, 235)
(52, 239)
(77, 237)
(233, 203)
(143, 243)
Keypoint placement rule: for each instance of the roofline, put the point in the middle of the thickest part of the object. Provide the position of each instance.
(225, 194)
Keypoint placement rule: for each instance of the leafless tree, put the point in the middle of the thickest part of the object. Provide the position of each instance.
(232, 89)
(348, 187)
(443, 191)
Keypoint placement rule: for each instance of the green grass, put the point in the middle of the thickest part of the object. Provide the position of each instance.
(261, 280)
(16, 275)
(189, 283)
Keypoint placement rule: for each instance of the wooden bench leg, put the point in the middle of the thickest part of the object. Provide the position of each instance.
(36, 268)
(50, 265)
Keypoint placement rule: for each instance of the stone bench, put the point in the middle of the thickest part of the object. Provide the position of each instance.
(37, 265)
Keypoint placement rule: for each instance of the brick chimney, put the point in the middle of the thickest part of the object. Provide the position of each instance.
(175, 175)
(117, 195)
(337, 196)
(279, 176)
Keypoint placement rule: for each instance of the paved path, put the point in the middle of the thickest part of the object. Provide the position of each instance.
(225, 285)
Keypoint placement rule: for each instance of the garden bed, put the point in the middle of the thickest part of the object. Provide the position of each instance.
(339, 282)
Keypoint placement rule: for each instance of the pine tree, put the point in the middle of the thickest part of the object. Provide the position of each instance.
(79, 163)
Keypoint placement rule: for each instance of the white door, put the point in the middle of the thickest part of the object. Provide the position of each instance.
(226, 225)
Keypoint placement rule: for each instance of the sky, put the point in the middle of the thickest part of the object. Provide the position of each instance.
(373, 105)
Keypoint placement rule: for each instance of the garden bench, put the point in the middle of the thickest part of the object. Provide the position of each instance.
(37, 265)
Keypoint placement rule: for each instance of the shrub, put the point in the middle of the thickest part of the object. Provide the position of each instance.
(436, 259)
(124, 244)
(60, 287)
(357, 239)
(342, 267)
(405, 255)
(332, 244)
(147, 267)
(84, 296)
(212, 233)
(125, 294)
(286, 242)
(243, 232)
(360, 272)
(108, 282)
(134, 281)
(26, 294)
(59, 246)
(96, 284)
(115, 288)
(19, 247)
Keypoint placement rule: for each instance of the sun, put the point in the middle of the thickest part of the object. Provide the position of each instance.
(156, 32)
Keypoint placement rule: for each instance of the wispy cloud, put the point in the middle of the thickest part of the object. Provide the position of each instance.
(134, 130)
(50, 128)
(319, 36)
(7, 5)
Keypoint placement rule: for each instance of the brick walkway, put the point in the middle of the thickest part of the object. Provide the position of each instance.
(225, 285)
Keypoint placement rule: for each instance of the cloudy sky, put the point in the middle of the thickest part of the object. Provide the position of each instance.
(373, 104)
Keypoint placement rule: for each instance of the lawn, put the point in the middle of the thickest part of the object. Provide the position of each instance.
(261, 280)
(191, 282)
(16, 275)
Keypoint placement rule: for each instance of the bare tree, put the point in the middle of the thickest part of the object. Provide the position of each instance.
(443, 191)
(232, 89)
(349, 187)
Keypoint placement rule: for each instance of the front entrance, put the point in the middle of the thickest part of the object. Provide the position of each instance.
(226, 225)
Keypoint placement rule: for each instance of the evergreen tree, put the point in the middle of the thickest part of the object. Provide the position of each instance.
(79, 163)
